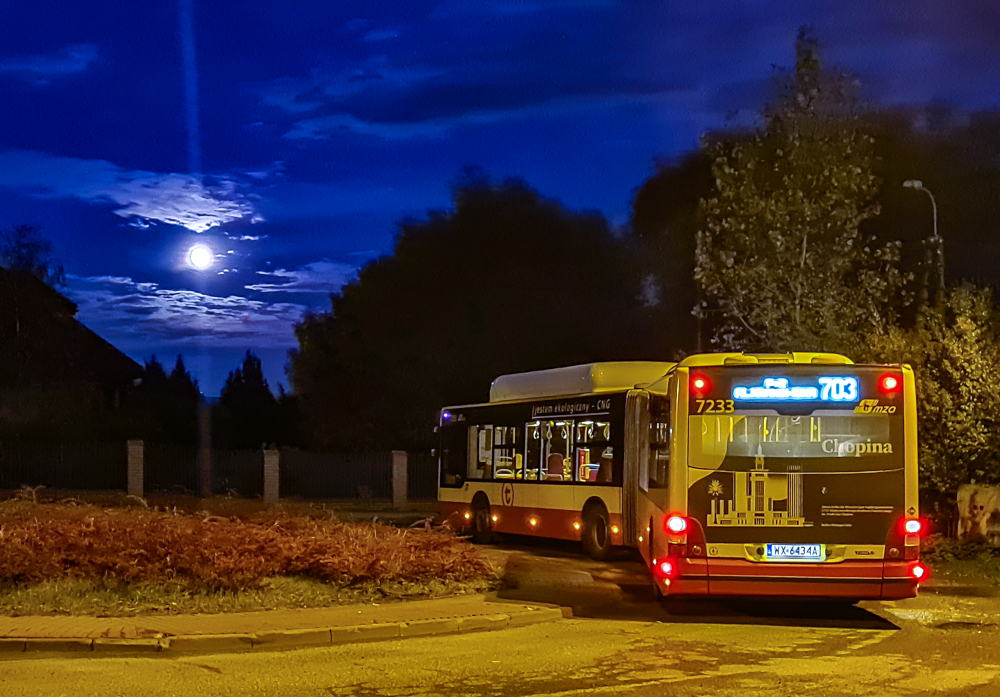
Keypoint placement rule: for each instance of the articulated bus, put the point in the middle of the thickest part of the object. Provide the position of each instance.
(731, 474)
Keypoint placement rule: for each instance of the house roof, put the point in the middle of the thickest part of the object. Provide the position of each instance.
(42, 342)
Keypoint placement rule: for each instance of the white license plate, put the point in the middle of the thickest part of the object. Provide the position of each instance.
(777, 552)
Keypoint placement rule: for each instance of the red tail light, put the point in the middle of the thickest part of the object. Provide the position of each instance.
(913, 527)
(888, 383)
(700, 385)
(675, 524)
(919, 571)
(665, 568)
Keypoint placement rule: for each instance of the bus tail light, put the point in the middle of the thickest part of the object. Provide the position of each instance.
(665, 568)
(700, 385)
(919, 572)
(913, 526)
(888, 384)
(675, 524)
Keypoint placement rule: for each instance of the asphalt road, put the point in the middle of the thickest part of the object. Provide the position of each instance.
(619, 642)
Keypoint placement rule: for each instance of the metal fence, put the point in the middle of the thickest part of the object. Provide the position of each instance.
(176, 467)
(103, 466)
(78, 466)
(422, 476)
(335, 475)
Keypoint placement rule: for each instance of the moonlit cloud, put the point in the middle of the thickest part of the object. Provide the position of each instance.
(132, 315)
(318, 277)
(42, 69)
(174, 199)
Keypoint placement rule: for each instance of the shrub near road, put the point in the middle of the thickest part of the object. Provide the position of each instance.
(205, 555)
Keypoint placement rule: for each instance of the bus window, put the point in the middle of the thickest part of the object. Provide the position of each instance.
(558, 438)
(594, 453)
(505, 457)
(480, 458)
(453, 456)
(659, 452)
(532, 450)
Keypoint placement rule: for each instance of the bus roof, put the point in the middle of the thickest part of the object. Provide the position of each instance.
(616, 376)
(764, 358)
(578, 379)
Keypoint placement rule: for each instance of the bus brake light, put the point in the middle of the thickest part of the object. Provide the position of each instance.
(664, 568)
(676, 524)
(888, 383)
(700, 385)
(913, 527)
(919, 571)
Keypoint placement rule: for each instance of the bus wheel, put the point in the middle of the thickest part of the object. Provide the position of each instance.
(482, 532)
(596, 532)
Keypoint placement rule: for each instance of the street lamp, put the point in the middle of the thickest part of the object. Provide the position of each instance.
(919, 186)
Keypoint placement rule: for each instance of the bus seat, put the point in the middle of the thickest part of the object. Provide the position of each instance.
(554, 467)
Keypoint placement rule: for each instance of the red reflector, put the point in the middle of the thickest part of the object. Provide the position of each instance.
(675, 524)
(910, 553)
(912, 527)
(677, 550)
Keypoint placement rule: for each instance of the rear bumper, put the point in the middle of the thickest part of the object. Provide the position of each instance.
(865, 580)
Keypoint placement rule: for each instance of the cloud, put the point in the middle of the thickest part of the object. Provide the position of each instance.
(453, 8)
(42, 69)
(328, 84)
(175, 199)
(318, 277)
(158, 315)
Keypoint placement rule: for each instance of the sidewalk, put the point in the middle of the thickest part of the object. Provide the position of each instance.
(268, 629)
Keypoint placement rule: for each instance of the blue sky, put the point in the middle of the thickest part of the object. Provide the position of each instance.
(317, 126)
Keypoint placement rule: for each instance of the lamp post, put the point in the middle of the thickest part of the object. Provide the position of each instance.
(936, 240)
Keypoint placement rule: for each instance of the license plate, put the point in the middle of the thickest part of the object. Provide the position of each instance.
(776, 552)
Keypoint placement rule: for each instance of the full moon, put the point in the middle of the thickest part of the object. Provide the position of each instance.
(200, 257)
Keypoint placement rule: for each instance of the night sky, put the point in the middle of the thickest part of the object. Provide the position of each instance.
(291, 137)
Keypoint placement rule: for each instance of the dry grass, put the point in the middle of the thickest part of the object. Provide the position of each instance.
(125, 550)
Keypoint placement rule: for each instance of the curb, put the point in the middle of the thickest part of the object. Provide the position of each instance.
(298, 638)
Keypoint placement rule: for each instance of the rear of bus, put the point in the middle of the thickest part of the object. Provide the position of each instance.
(801, 481)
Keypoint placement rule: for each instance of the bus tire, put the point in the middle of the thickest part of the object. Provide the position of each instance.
(596, 536)
(482, 531)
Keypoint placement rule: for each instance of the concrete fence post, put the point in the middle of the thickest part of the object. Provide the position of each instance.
(399, 478)
(272, 466)
(135, 468)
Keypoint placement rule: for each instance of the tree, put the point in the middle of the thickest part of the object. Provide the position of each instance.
(166, 406)
(956, 359)
(780, 259)
(664, 223)
(247, 412)
(23, 248)
(505, 282)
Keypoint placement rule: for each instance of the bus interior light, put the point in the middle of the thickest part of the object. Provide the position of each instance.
(676, 524)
